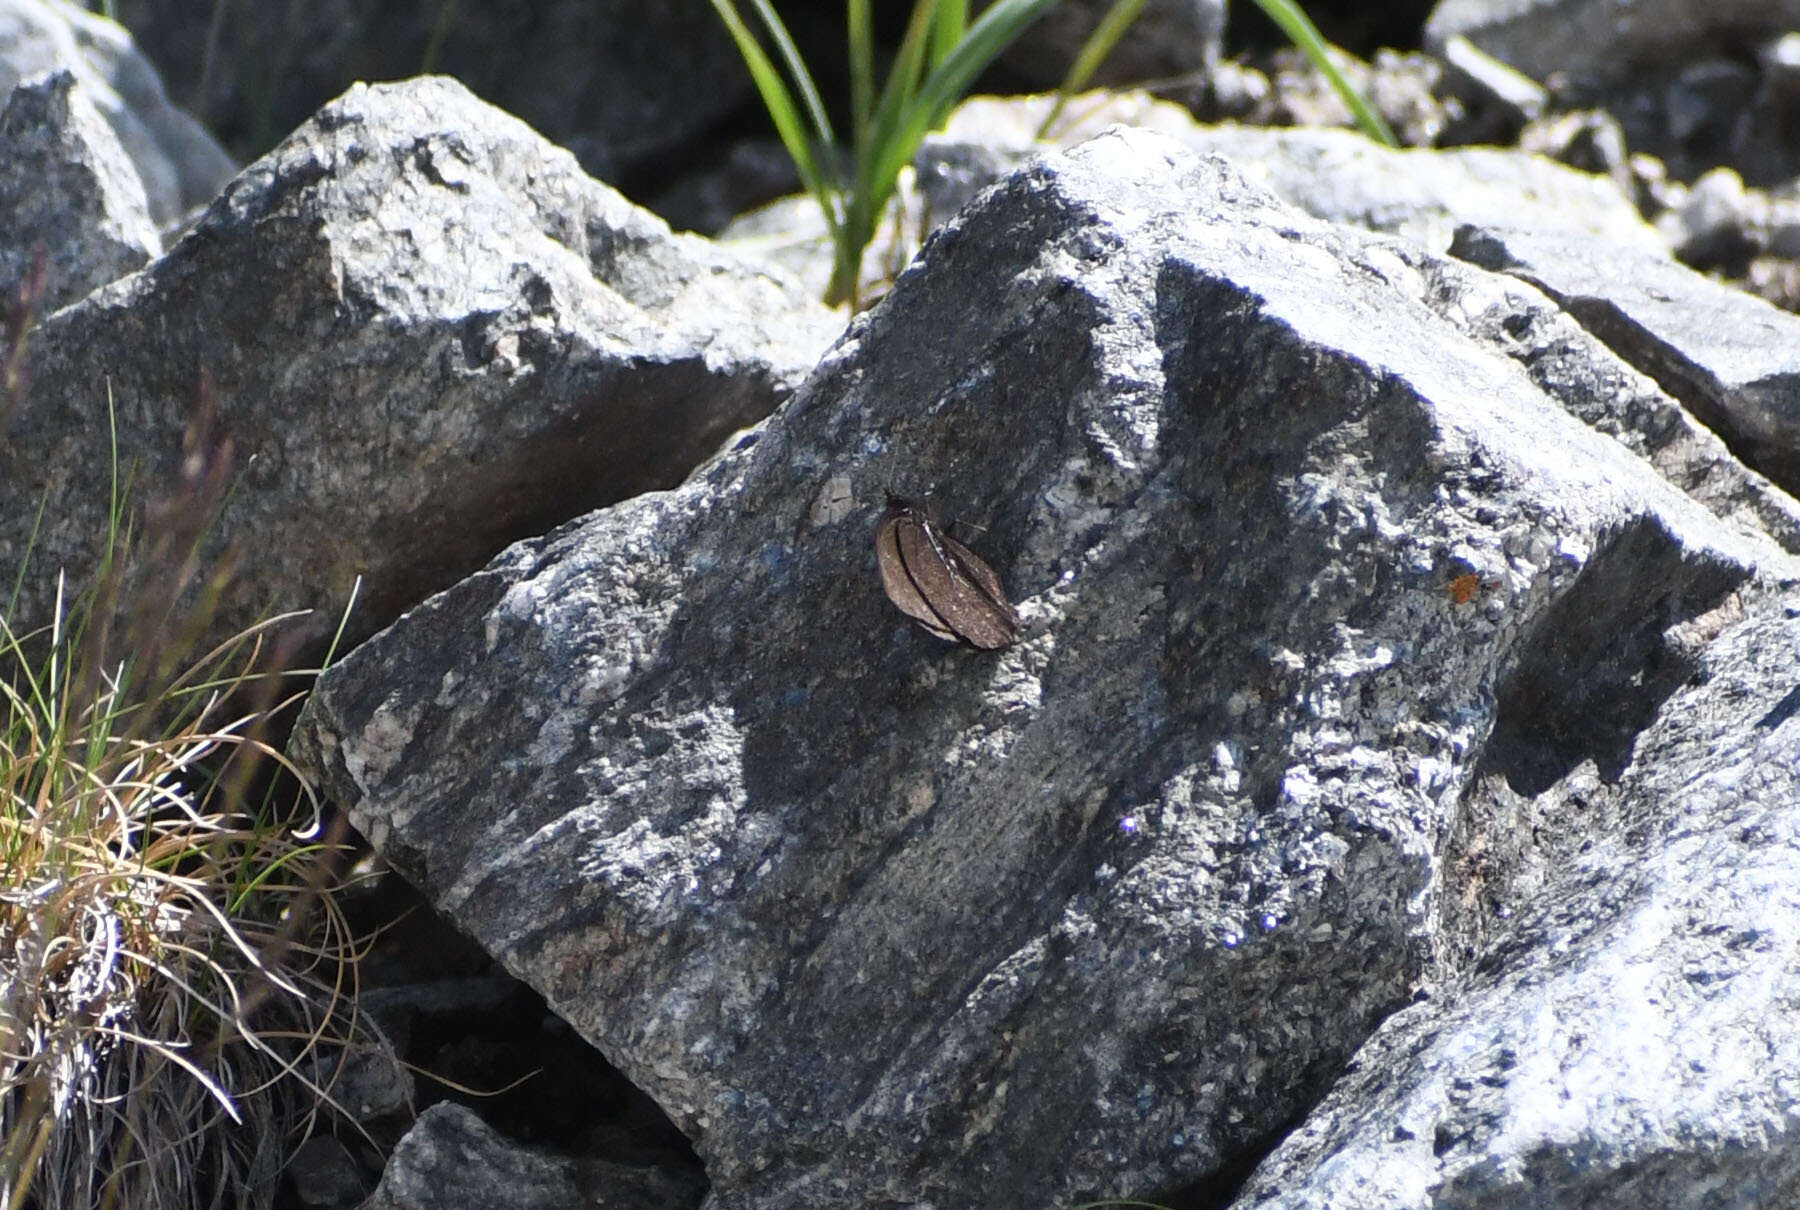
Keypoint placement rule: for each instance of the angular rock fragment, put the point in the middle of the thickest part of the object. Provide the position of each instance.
(67, 185)
(1631, 1039)
(177, 160)
(1731, 359)
(879, 920)
(426, 334)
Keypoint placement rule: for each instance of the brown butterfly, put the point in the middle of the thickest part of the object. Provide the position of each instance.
(940, 583)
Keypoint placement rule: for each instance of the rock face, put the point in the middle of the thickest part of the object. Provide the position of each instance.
(1632, 1042)
(1727, 357)
(450, 1158)
(1338, 175)
(67, 185)
(1308, 551)
(1603, 38)
(1695, 85)
(1731, 359)
(619, 82)
(177, 160)
(426, 334)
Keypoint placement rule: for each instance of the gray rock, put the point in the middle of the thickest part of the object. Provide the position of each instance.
(439, 1001)
(1722, 110)
(1775, 281)
(1468, 66)
(181, 166)
(370, 1084)
(1696, 85)
(66, 183)
(1782, 233)
(878, 919)
(1779, 59)
(619, 82)
(1630, 1039)
(325, 1175)
(1588, 139)
(1717, 223)
(427, 334)
(1705, 99)
(1590, 379)
(1426, 195)
(450, 1158)
(1730, 359)
(1168, 38)
(1336, 175)
(1405, 89)
(1721, 353)
(1234, 91)
(1604, 39)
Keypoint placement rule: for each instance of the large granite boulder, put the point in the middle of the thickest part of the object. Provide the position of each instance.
(409, 335)
(1317, 538)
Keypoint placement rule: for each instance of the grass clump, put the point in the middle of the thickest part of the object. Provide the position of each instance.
(146, 957)
(939, 57)
(172, 974)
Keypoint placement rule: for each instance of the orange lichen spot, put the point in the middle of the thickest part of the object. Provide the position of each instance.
(1464, 587)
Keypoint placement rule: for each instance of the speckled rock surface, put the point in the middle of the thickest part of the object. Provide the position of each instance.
(426, 333)
(1732, 359)
(1630, 1037)
(450, 1157)
(179, 163)
(1605, 38)
(877, 919)
(67, 184)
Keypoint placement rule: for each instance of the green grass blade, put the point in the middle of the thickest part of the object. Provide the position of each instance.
(868, 195)
(782, 111)
(905, 72)
(911, 106)
(947, 28)
(1093, 53)
(796, 67)
(896, 143)
(1301, 31)
(440, 33)
(862, 74)
(37, 524)
(991, 34)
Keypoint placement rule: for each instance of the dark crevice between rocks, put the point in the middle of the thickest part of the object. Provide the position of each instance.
(1593, 674)
(1600, 662)
(1221, 1187)
(478, 1036)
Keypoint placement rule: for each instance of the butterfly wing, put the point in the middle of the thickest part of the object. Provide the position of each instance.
(984, 617)
(940, 583)
(897, 581)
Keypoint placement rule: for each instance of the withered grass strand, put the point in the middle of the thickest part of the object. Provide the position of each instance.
(174, 998)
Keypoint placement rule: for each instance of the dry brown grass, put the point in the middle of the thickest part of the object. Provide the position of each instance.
(175, 993)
